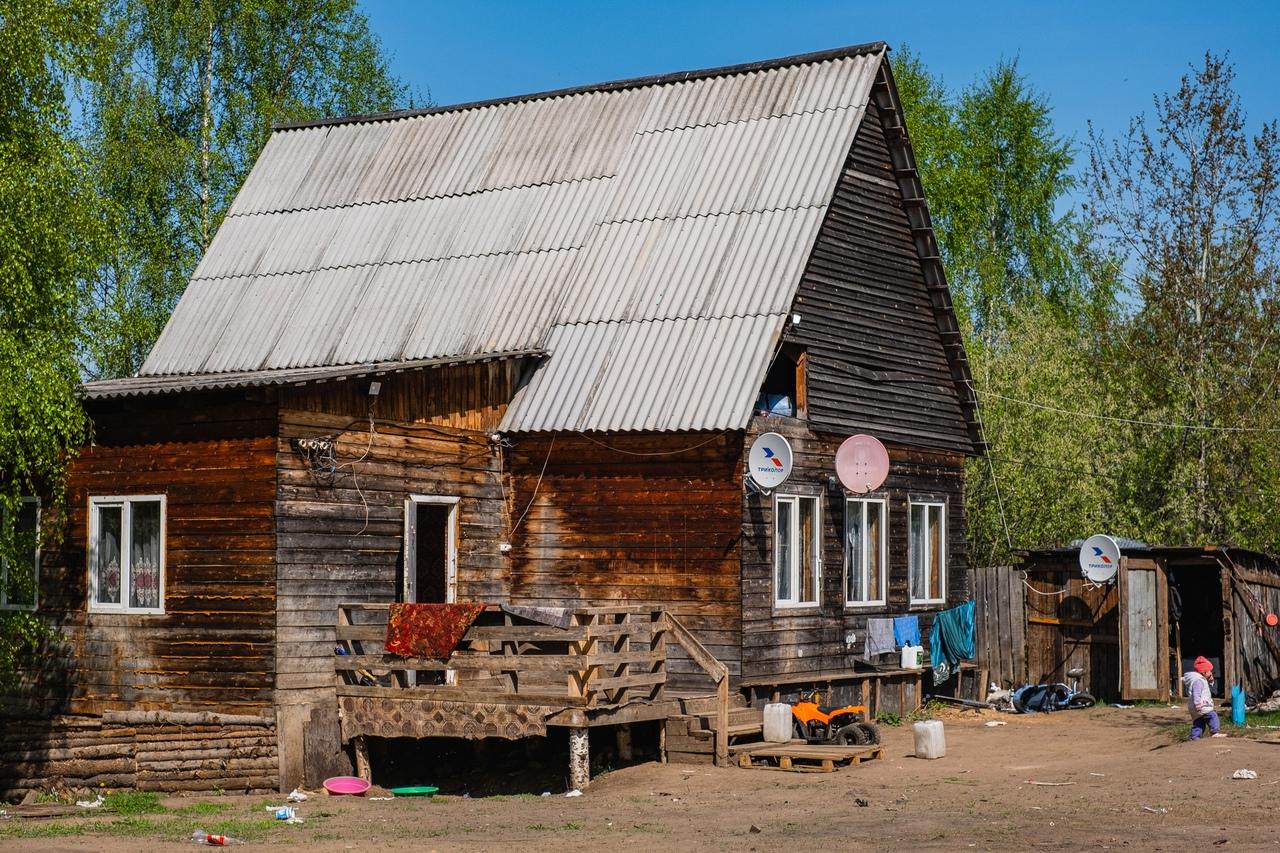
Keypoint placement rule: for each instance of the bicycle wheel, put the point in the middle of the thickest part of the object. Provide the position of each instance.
(1081, 700)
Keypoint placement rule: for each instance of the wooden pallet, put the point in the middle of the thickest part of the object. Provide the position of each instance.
(802, 757)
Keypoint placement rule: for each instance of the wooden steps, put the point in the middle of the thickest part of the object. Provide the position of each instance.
(803, 757)
(690, 738)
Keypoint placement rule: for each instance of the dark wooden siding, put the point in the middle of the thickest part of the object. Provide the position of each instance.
(341, 534)
(651, 519)
(875, 357)
(213, 457)
(812, 640)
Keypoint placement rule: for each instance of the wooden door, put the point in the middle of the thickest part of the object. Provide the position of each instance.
(1144, 629)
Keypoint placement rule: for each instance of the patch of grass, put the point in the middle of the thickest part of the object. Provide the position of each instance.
(888, 718)
(537, 826)
(42, 829)
(1265, 718)
(135, 802)
(202, 809)
(132, 825)
(572, 826)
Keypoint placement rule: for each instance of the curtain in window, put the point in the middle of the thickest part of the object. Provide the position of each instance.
(782, 568)
(874, 542)
(144, 554)
(808, 544)
(917, 548)
(854, 590)
(107, 565)
(935, 552)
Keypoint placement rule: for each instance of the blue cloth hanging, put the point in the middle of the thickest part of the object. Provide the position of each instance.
(906, 631)
(951, 640)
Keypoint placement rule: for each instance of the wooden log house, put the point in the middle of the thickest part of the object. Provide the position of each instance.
(515, 352)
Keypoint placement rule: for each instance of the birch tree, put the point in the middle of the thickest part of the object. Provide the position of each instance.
(49, 237)
(183, 98)
(1189, 200)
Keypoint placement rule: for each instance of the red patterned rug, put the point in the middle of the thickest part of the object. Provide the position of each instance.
(429, 630)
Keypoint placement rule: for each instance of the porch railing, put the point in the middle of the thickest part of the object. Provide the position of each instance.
(606, 656)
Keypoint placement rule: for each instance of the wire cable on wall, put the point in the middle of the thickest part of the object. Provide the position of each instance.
(536, 486)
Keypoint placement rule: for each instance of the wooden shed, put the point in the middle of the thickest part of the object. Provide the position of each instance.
(1135, 637)
(514, 352)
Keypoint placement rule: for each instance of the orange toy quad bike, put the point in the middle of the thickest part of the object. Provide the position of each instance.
(846, 725)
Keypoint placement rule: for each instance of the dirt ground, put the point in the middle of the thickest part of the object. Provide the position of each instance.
(1123, 783)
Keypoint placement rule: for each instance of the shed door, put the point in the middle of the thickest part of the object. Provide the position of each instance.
(1144, 630)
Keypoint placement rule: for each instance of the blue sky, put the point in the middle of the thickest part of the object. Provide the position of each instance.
(1095, 61)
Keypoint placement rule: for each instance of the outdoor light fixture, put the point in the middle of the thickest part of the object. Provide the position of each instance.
(375, 388)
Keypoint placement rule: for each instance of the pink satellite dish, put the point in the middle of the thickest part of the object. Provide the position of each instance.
(862, 464)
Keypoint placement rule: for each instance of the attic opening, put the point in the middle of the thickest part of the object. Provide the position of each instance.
(784, 391)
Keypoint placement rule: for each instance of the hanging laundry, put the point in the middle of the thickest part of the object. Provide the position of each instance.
(906, 631)
(951, 640)
(879, 637)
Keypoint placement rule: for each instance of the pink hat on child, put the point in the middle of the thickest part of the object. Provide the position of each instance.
(1203, 665)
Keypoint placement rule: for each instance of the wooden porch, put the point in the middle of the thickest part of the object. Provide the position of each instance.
(512, 677)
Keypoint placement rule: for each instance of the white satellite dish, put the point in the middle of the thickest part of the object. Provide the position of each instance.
(1100, 558)
(769, 463)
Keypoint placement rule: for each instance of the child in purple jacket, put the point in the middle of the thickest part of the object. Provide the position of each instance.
(1199, 687)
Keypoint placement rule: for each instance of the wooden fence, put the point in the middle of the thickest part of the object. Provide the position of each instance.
(1001, 621)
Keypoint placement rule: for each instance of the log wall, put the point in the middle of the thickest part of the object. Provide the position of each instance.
(341, 531)
(637, 519)
(876, 362)
(213, 458)
(788, 641)
(147, 751)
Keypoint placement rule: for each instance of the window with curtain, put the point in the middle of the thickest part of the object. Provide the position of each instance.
(865, 551)
(797, 550)
(20, 575)
(126, 553)
(926, 552)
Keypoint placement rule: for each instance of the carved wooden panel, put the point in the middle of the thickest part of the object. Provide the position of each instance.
(420, 718)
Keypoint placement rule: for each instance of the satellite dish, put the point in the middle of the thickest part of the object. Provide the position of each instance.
(862, 464)
(1100, 558)
(769, 462)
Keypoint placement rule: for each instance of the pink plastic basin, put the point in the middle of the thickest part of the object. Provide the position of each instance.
(346, 785)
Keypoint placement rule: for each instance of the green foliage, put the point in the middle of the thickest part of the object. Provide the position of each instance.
(180, 102)
(1030, 295)
(995, 170)
(50, 234)
(134, 802)
(1190, 203)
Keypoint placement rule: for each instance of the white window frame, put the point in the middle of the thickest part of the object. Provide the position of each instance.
(125, 502)
(942, 558)
(794, 568)
(5, 604)
(859, 505)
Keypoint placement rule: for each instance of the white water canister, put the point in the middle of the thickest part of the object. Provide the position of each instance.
(931, 741)
(777, 722)
(912, 657)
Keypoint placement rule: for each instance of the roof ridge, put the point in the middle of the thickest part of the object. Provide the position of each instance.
(845, 52)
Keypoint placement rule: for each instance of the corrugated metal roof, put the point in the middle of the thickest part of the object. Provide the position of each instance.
(651, 375)
(142, 386)
(629, 219)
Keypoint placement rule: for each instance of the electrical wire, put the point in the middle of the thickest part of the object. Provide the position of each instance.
(536, 486)
(655, 452)
(1114, 419)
